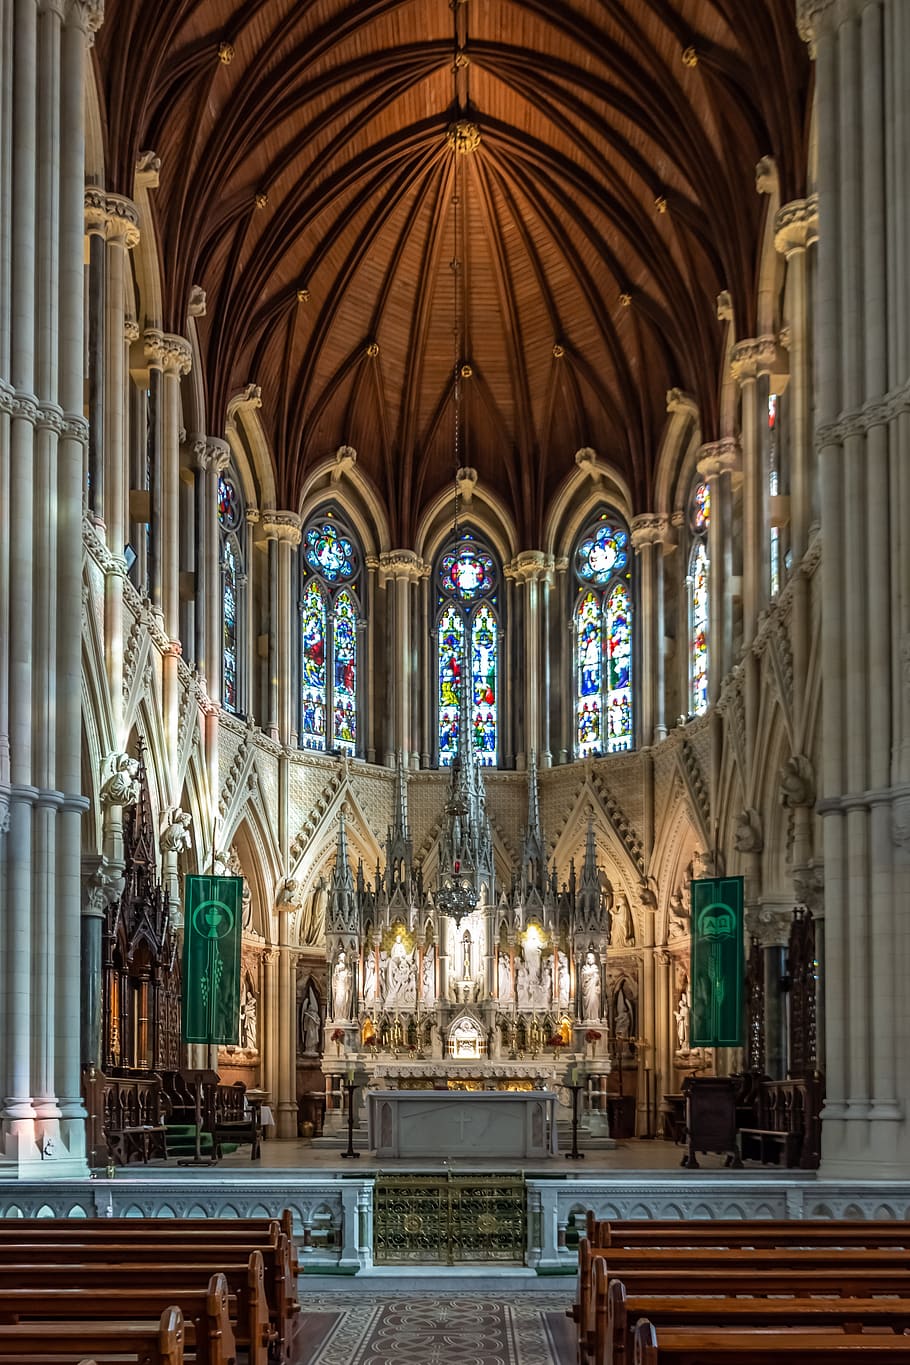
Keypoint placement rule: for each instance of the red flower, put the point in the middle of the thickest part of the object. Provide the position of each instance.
(592, 1036)
(338, 1035)
(556, 1040)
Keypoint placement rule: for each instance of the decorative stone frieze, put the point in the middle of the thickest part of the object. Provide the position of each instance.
(281, 526)
(167, 352)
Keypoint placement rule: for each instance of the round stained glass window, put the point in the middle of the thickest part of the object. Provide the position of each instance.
(467, 573)
(701, 508)
(602, 554)
(329, 552)
(229, 510)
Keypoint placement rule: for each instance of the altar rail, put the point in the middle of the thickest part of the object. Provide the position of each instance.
(333, 1217)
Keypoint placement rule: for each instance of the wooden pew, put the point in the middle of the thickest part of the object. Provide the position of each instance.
(744, 1232)
(10, 1226)
(155, 1343)
(617, 1313)
(730, 1347)
(245, 1314)
(256, 1326)
(781, 1270)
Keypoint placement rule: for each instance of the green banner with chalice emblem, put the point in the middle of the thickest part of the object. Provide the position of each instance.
(212, 927)
(718, 963)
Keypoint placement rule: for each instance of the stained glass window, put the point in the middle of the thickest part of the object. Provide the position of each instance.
(604, 708)
(313, 666)
(329, 623)
(329, 552)
(230, 523)
(603, 553)
(484, 631)
(450, 658)
(618, 627)
(701, 508)
(698, 629)
(344, 634)
(589, 665)
(467, 623)
(229, 625)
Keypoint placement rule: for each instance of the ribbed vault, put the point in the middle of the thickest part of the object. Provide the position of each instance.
(307, 186)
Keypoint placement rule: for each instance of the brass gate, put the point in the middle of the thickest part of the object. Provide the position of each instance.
(448, 1219)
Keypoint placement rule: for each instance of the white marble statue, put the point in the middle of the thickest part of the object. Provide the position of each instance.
(590, 987)
(428, 981)
(681, 1014)
(623, 1023)
(249, 1031)
(564, 982)
(505, 977)
(400, 983)
(523, 986)
(622, 932)
(369, 976)
(341, 988)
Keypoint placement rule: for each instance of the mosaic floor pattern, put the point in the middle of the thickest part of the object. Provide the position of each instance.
(470, 1329)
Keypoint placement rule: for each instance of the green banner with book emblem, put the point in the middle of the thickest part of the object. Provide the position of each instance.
(718, 962)
(212, 928)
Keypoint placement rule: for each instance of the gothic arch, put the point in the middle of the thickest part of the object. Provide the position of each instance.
(338, 481)
(579, 498)
(485, 512)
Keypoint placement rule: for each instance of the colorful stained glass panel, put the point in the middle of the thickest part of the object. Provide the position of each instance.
(467, 573)
(701, 508)
(450, 652)
(589, 674)
(313, 668)
(602, 554)
(618, 629)
(229, 508)
(328, 551)
(229, 626)
(484, 642)
(344, 695)
(698, 630)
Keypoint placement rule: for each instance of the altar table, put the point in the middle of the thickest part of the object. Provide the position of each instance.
(465, 1123)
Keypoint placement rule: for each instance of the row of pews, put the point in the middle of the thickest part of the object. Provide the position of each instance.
(740, 1293)
(152, 1291)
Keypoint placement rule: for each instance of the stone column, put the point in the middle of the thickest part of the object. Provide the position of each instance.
(284, 529)
(402, 568)
(664, 1035)
(649, 533)
(718, 462)
(530, 571)
(287, 1030)
(770, 924)
(212, 457)
(863, 447)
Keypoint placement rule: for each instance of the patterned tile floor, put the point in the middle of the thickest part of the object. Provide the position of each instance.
(423, 1329)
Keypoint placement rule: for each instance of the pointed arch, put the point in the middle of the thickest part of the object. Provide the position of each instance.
(603, 638)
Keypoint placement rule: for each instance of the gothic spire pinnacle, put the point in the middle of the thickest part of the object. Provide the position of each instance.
(341, 914)
(590, 877)
(533, 859)
(399, 852)
(341, 873)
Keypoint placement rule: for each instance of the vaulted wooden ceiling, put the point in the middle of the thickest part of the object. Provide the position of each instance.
(307, 185)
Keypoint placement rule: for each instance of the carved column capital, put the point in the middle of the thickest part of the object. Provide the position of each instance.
(398, 564)
(770, 924)
(111, 216)
(796, 225)
(167, 352)
(719, 457)
(87, 14)
(285, 527)
(530, 566)
(756, 356)
(649, 528)
(812, 16)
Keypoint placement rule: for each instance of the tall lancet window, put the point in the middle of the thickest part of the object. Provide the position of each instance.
(774, 489)
(329, 630)
(603, 639)
(233, 583)
(699, 519)
(467, 627)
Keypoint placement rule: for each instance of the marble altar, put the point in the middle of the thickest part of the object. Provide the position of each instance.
(441, 1123)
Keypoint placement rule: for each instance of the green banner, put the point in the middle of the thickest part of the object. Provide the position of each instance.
(718, 963)
(212, 926)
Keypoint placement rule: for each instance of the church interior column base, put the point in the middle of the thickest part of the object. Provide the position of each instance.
(43, 1149)
(865, 1148)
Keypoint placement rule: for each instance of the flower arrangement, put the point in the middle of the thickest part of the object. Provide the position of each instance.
(593, 1036)
(556, 1040)
(338, 1035)
(372, 1041)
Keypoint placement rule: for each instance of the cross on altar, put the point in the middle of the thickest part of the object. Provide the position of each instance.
(461, 1120)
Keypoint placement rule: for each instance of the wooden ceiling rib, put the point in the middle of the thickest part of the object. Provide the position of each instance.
(336, 111)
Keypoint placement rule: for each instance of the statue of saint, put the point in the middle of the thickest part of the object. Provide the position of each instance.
(681, 1015)
(310, 1023)
(248, 1021)
(369, 976)
(622, 933)
(400, 989)
(623, 1023)
(564, 984)
(428, 983)
(341, 988)
(590, 987)
(505, 976)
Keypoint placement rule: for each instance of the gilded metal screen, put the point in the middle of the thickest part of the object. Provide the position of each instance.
(448, 1220)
